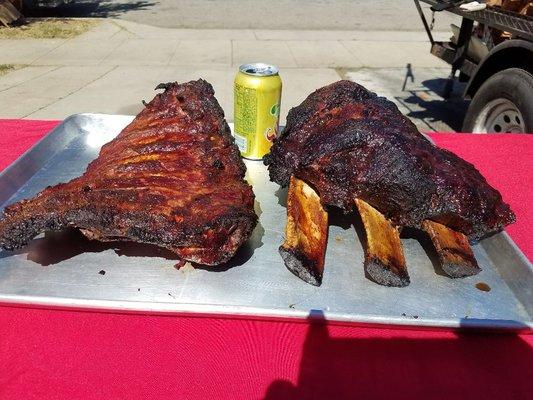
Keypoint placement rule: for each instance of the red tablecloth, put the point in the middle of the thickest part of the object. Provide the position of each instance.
(70, 355)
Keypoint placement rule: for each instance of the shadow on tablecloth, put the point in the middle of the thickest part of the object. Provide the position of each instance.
(471, 365)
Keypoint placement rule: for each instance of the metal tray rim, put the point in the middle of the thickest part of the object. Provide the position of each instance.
(213, 310)
(21, 158)
(151, 307)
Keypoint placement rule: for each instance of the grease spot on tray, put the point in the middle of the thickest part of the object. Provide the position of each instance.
(483, 287)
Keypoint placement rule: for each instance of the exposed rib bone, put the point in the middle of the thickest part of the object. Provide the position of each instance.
(384, 259)
(454, 251)
(306, 233)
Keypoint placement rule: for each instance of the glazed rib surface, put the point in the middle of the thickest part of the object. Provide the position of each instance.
(173, 178)
(348, 143)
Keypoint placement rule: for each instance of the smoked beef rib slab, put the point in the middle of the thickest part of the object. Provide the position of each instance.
(349, 143)
(356, 150)
(172, 178)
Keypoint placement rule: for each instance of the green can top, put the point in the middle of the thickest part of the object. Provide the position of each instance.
(259, 69)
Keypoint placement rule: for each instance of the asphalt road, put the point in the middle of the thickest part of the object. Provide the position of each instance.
(368, 15)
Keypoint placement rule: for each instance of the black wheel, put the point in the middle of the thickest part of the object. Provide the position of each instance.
(503, 104)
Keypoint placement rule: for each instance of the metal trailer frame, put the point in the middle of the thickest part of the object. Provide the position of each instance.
(455, 54)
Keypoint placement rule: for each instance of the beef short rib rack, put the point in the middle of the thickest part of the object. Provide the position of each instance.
(357, 151)
(173, 178)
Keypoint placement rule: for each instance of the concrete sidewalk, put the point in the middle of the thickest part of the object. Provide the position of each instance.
(111, 68)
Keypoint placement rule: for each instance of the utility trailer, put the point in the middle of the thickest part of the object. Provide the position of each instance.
(499, 75)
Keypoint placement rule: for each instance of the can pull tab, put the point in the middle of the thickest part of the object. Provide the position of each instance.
(259, 69)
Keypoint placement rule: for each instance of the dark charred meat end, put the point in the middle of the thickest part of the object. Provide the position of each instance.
(348, 144)
(154, 183)
(164, 86)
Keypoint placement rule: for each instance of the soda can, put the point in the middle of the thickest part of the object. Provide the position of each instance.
(257, 99)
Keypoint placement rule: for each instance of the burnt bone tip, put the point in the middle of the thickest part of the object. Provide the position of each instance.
(300, 266)
(460, 270)
(383, 275)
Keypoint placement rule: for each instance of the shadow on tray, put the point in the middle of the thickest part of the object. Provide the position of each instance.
(57, 246)
(337, 362)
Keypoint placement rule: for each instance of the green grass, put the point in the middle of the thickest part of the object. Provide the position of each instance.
(49, 28)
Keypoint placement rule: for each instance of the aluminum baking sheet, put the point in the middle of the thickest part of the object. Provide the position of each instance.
(63, 269)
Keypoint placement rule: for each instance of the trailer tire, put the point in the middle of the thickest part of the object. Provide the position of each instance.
(503, 103)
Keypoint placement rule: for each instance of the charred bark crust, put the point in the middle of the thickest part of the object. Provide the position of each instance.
(349, 143)
(173, 178)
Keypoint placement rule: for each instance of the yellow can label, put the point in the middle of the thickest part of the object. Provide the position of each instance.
(257, 105)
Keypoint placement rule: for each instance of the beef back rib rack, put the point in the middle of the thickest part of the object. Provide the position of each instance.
(172, 178)
(346, 147)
